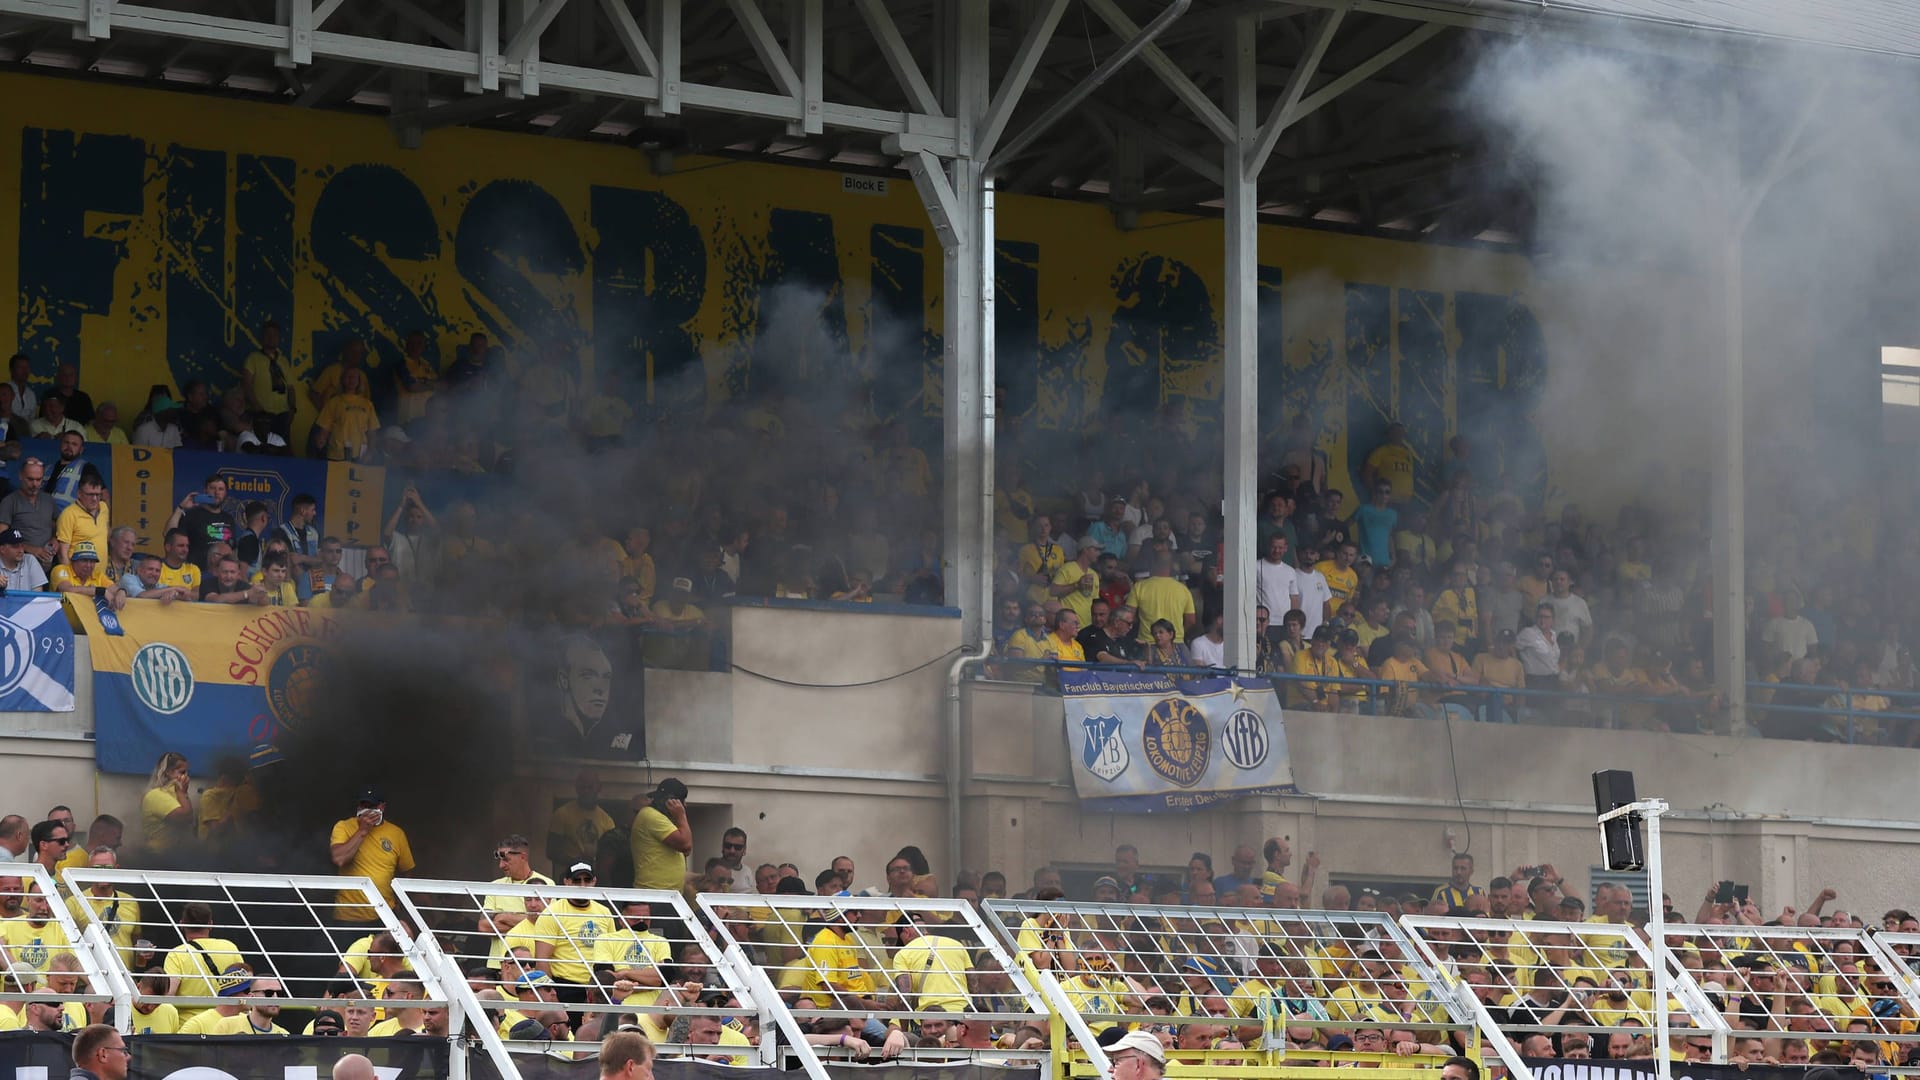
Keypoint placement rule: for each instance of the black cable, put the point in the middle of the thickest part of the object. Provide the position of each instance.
(1446, 716)
(850, 685)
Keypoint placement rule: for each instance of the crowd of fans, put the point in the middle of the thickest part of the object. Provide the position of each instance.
(1422, 605)
(1256, 959)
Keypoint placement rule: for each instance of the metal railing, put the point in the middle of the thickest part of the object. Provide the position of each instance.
(1238, 991)
(854, 978)
(55, 955)
(521, 956)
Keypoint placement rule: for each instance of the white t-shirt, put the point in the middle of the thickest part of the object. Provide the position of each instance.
(1208, 653)
(1791, 636)
(1314, 594)
(1275, 584)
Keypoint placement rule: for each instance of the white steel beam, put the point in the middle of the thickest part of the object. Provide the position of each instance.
(325, 11)
(1239, 395)
(663, 26)
(632, 40)
(1019, 73)
(300, 20)
(766, 46)
(1169, 72)
(1365, 69)
(428, 21)
(483, 39)
(808, 45)
(527, 35)
(1286, 109)
(899, 58)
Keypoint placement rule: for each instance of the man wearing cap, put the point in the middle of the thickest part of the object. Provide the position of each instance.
(261, 1011)
(564, 935)
(368, 845)
(1137, 1056)
(662, 839)
(22, 574)
(1499, 667)
(235, 980)
(83, 576)
(677, 609)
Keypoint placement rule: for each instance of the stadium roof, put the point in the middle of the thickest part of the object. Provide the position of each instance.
(1378, 143)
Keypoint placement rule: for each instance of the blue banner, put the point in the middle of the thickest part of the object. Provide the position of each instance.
(1144, 743)
(36, 654)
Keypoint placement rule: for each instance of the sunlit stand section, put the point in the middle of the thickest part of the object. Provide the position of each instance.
(281, 927)
(889, 967)
(520, 954)
(37, 955)
(1243, 992)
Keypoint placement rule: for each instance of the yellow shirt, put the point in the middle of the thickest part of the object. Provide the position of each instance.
(201, 1022)
(64, 575)
(113, 437)
(386, 1028)
(118, 916)
(606, 416)
(1157, 598)
(622, 950)
(833, 962)
(936, 970)
(1091, 993)
(221, 804)
(1343, 584)
(1040, 559)
(570, 931)
(1080, 600)
(242, 1025)
(155, 805)
(349, 421)
(163, 1020)
(1249, 996)
(382, 856)
(1460, 607)
(1394, 464)
(198, 964)
(655, 865)
(579, 829)
(188, 576)
(281, 595)
(508, 904)
(1053, 648)
(271, 379)
(75, 525)
(34, 946)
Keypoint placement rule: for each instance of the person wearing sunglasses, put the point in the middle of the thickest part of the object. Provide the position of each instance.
(261, 1011)
(565, 933)
(100, 1053)
(501, 912)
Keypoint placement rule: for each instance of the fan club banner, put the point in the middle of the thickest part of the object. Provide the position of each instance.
(203, 679)
(1143, 743)
(36, 654)
(1642, 1069)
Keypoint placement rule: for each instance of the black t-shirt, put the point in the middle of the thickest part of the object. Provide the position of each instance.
(203, 525)
(1095, 640)
(211, 587)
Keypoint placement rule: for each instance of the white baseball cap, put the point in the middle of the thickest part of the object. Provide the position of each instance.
(1141, 1041)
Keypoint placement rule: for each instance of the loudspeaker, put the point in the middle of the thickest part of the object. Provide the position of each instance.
(1623, 840)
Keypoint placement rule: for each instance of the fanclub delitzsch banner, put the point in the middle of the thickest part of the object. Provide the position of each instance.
(1144, 743)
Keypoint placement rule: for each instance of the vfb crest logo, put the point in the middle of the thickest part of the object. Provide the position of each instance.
(1243, 739)
(1177, 741)
(1101, 751)
(16, 655)
(162, 678)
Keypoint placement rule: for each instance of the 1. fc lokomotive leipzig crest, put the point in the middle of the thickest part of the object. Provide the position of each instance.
(1102, 752)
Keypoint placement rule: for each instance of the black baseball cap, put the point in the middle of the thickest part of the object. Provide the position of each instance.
(371, 794)
(11, 536)
(672, 788)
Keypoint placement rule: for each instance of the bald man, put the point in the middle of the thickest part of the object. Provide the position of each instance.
(354, 1067)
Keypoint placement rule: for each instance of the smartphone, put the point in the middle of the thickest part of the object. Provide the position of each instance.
(204, 499)
(1739, 894)
(1725, 893)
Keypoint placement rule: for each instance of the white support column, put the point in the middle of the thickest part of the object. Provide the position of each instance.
(1239, 340)
(663, 27)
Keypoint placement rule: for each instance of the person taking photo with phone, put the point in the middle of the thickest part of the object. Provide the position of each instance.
(204, 518)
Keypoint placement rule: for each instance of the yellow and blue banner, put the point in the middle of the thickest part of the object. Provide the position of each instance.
(207, 680)
(36, 654)
(1143, 743)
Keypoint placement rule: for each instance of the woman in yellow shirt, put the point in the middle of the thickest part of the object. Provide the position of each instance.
(166, 811)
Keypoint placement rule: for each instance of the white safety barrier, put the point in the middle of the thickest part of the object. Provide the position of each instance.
(50, 953)
(890, 975)
(1240, 989)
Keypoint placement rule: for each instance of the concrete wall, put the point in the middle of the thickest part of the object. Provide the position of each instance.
(835, 768)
